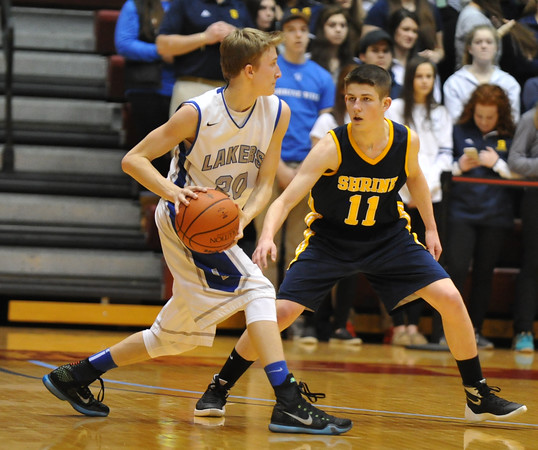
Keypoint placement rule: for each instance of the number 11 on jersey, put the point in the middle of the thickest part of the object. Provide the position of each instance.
(355, 202)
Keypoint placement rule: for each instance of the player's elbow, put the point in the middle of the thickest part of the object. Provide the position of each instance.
(127, 164)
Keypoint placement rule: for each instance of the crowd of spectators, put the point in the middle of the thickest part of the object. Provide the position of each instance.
(443, 56)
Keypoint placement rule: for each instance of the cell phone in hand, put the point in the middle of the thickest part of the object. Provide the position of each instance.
(471, 152)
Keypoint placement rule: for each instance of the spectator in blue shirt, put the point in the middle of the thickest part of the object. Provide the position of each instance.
(149, 80)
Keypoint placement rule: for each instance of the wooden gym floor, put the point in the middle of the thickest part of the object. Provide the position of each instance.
(397, 398)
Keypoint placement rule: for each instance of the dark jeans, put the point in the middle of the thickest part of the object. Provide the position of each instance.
(480, 245)
(527, 282)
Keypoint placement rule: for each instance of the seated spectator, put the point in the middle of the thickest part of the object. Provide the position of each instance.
(355, 9)
(431, 30)
(310, 8)
(481, 47)
(263, 13)
(523, 158)
(489, 12)
(376, 47)
(470, 17)
(331, 46)
(403, 27)
(480, 215)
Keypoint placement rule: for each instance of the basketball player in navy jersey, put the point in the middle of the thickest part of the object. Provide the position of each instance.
(229, 138)
(357, 224)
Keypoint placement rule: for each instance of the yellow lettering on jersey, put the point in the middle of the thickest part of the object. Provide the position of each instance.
(366, 184)
(343, 183)
(382, 185)
(355, 202)
(369, 220)
(353, 213)
(354, 184)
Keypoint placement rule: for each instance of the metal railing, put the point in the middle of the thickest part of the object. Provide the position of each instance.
(7, 45)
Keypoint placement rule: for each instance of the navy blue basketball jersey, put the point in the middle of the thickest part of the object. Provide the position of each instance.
(360, 200)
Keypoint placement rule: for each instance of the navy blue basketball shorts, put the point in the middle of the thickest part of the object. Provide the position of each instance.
(396, 269)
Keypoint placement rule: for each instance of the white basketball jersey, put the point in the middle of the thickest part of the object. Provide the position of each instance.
(229, 147)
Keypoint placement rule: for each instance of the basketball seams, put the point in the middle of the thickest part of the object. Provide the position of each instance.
(180, 224)
(192, 239)
(201, 213)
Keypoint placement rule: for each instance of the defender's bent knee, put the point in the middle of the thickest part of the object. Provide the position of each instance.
(451, 304)
(287, 311)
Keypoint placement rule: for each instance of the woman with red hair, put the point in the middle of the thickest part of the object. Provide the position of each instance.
(480, 215)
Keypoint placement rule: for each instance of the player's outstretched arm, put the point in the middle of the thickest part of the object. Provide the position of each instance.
(418, 188)
(137, 162)
(323, 157)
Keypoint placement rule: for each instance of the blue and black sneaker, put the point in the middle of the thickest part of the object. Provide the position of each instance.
(63, 383)
(293, 414)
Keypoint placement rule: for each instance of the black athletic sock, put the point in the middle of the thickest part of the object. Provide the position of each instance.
(233, 368)
(470, 371)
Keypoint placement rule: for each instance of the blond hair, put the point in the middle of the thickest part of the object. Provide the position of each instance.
(245, 46)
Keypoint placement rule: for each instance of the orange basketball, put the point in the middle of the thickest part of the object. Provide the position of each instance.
(209, 224)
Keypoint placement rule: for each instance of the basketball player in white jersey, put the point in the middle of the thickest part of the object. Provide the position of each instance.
(229, 138)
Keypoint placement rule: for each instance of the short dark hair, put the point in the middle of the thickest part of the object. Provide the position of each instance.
(372, 75)
(290, 15)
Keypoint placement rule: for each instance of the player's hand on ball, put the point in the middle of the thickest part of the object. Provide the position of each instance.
(183, 195)
(265, 247)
